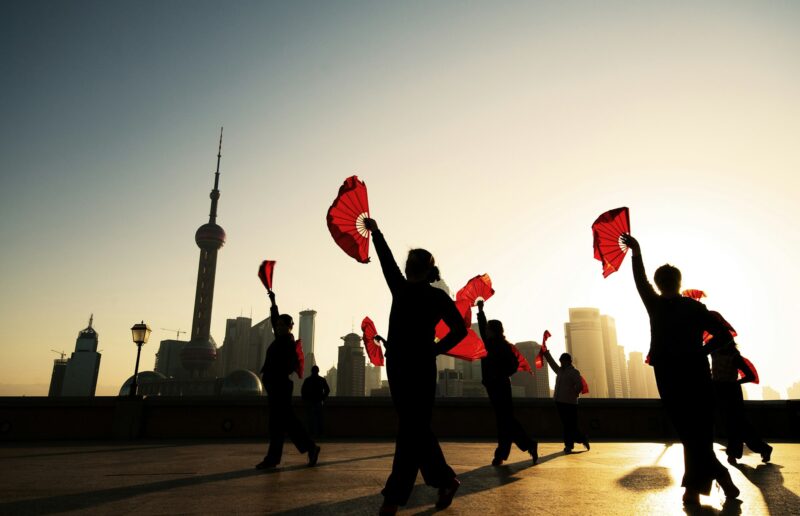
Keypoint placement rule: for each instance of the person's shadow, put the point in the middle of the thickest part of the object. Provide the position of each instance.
(769, 480)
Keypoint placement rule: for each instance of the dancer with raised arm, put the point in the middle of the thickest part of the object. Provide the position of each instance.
(683, 376)
(281, 361)
(568, 387)
(411, 351)
(496, 367)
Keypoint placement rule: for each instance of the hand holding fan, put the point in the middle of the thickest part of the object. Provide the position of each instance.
(478, 288)
(540, 355)
(374, 351)
(265, 271)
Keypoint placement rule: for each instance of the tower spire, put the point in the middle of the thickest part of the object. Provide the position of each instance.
(91, 319)
(212, 217)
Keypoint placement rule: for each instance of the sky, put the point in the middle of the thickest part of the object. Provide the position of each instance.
(491, 134)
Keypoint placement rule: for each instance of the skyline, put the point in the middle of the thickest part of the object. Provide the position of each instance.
(493, 137)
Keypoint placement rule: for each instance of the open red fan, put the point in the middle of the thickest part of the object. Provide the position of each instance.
(479, 287)
(584, 386)
(265, 271)
(540, 355)
(524, 365)
(374, 351)
(752, 368)
(465, 309)
(470, 348)
(346, 219)
(693, 293)
(301, 357)
(607, 231)
(707, 336)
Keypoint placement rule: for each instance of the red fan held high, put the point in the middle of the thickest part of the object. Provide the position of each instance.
(607, 232)
(346, 219)
(374, 351)
(478, 288)
(470, 348)
(540, 355)
(265, 271)
(524, 365)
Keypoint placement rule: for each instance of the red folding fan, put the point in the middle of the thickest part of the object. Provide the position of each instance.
(707, 336)
(346, 219)
(524, 365)
(465, 309)
(752, 368)
(301, 357)
(374, 351)
(479, 287)
(607, 231)
(539, 361)
(470, 348)
(265, 271)
(693, 293)
(584, 386)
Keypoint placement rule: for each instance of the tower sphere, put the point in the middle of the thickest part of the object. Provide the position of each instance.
(210, 237)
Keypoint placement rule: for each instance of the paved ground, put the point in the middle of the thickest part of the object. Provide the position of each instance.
(214, 478)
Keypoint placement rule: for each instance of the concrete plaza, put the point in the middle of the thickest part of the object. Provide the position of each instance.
(192, 477)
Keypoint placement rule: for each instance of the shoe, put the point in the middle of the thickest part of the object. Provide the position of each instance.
(586, 445)
(691, 497)
(387, 510)
(567, 451)
(266, 464)
(534, 451)
(766, 455)
(497, 462)
(446, 494)
(313, 455)
(728, 487)
(732, 460)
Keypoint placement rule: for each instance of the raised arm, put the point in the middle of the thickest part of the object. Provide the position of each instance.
(455, 322)
(646, 290)
(394, 278)
(482, 322)
(273, 312)
(550, 360)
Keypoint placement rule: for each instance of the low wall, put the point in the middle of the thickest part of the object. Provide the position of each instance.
(42, 418)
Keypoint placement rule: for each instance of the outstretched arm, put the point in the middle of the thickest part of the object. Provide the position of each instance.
(646, 290)
(273, 312)
(482, 322)
(453, 321)
(550, 360)
(394, 278)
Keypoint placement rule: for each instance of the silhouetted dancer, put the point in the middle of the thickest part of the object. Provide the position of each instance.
(682, 373)
(568, 388)
(314, 392)
(500, 363)
(411, 351)
(280, 362)
(726, 363)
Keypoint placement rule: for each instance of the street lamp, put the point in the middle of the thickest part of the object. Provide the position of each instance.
(141, 332)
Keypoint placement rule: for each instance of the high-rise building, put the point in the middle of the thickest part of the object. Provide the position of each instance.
(80, 376)
(793, 392)
(584, 339)
(168, 359)
(650, 380)
(623, 367)
(769, 394)
(350, 367)
(611, 352)
(200, 354)
(235, 353)
(450, 384)
(57, 378)
(372, 379)
(636, 372)
(536, 385)
(307, 327)
(332, 377)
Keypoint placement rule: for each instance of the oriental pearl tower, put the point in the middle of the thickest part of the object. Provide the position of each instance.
(201, 351)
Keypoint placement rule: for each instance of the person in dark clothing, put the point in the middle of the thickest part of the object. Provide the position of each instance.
(411, 351)
(683, 377)
(314, 392)
(568, 388)
(726, 363)
(500, 363)
(280, 362)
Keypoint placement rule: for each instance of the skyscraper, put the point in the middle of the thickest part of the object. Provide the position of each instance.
(372, 379)
(611, 355)
(201, 352)
(636, 372)
(623, 367)
(235, 353)
(584, 338)
(307, 327)
(57, 378)
(350, 367)
(332, 377)
(80, 376)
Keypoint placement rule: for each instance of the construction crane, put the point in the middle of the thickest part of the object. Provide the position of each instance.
(63, 354)
(177, 332)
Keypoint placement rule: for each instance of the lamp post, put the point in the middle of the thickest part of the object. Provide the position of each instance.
(141, 332)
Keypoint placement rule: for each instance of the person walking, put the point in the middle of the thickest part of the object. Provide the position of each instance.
(281, 361)
(496, 367)
(683, 377)
(411, 351)
(314, 392)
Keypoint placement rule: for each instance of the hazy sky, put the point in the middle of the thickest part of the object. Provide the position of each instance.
(492, 135)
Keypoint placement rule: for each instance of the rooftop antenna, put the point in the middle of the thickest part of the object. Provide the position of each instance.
(212, 218)
(91, 320)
